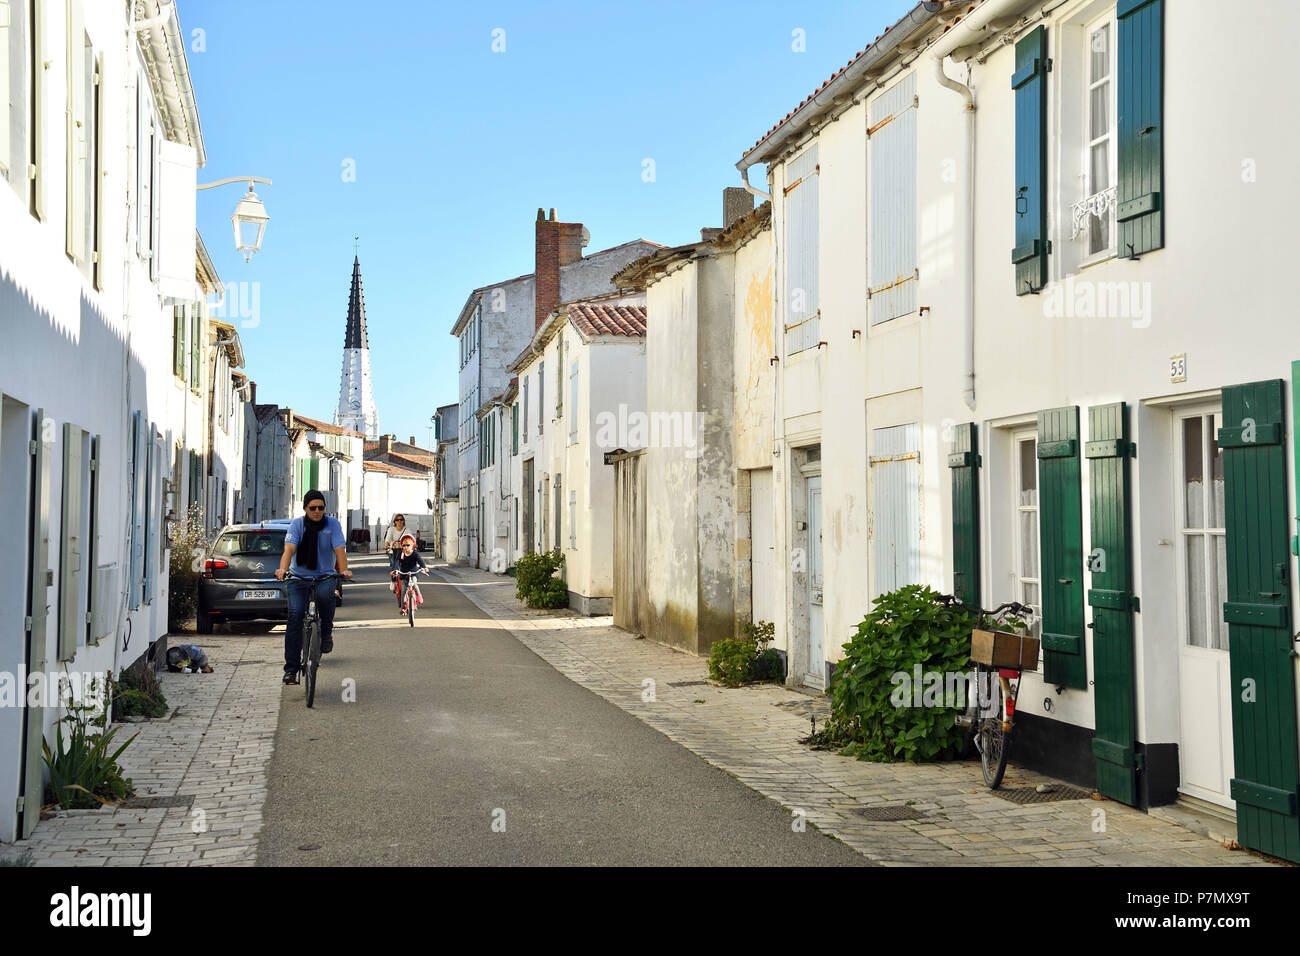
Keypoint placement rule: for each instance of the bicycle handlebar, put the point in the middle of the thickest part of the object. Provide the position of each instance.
(303, 577)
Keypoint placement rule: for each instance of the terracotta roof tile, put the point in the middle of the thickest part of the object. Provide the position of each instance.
(613, 319)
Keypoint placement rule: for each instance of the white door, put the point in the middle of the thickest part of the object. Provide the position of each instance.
(1204, 680)
(816, 673)
(762, 547)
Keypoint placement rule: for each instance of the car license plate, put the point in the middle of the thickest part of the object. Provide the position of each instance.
(259, 595)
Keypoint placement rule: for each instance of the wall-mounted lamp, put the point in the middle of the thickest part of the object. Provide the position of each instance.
(856, 333)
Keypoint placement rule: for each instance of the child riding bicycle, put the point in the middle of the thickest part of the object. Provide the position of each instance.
(408, 561)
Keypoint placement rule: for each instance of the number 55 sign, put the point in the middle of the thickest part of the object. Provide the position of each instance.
(1178, 367)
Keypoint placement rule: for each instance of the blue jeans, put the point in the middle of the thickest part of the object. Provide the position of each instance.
(298, 609)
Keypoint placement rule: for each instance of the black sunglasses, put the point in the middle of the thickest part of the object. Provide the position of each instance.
(315, 507)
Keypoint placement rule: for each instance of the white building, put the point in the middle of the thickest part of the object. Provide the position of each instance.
(987, 310)
(99, 140)
(496, 322)
(585, 373)
(682, 544)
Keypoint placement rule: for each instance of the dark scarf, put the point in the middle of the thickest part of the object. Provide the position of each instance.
(308, 546)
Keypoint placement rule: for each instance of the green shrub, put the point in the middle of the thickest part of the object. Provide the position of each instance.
(82, 771)
(535, 581)
(189, 547)
(138, 693)
(738, 660)
(872, 712)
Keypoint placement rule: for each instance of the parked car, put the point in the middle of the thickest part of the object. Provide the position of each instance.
(238, 582)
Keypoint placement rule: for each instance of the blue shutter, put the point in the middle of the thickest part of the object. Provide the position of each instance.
(1140, 212)
(1030, 84)
(137, 508)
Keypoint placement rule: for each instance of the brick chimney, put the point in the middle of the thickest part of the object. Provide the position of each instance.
(385, 444)
(558, 245)
(737, 203)
(412, 441)
(252, 393)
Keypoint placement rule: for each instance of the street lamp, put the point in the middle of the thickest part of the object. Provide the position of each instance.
(249, 219)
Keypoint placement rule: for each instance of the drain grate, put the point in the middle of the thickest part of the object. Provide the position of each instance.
(890, 813)
(688, 683)
(153, 803)
(1031, 795)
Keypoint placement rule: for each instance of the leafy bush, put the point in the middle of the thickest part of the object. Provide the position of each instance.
(870, 719)
(189, 546)
(138, 693)
(82, 771)
(535, 581)
(738, 660)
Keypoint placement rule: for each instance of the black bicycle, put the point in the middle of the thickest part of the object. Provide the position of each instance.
(991, 710)
(311, 635)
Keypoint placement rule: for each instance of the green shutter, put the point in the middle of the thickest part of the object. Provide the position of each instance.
(963, 464)
(1258, 612)
(1111, 598)
(178, 341)
(514, 428)
(1060, 525)
(1030, 85)
(1140, 196)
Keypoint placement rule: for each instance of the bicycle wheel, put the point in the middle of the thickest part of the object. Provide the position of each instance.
(991, 741)
(312, 640)
(410, 605)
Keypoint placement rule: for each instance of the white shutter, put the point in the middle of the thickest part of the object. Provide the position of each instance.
(143, 168)
(6, 32)
(573, 403)
(98, 172)
(174, 215)
(891, 243)
(37, 170)
(70, 545)
(896, 512)
(573, 518)
(802, 316)
(77, 140)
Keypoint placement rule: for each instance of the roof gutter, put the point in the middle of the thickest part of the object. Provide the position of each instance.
(839, 88)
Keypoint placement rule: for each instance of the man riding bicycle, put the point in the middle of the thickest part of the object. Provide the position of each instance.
(313, 546)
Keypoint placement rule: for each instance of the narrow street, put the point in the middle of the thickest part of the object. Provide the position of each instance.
(456, 725)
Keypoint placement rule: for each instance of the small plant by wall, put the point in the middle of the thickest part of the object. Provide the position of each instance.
(138, 693)
(82, 771)
(189, 546)
(535, 581)
(746, 659)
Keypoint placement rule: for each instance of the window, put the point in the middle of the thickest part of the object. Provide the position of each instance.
(1024, 508)
(1204, 551)
(891, 241)
(1094, 215)
(802, 315)
(573, 403)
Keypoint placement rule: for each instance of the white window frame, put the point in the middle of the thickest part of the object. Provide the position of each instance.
(573, 403)
(1018, 578)
(1213, 610)
(1102, 201)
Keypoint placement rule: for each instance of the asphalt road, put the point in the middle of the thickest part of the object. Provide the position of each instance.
(463, 747)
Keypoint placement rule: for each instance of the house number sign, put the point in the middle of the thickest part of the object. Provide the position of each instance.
(1178, 367)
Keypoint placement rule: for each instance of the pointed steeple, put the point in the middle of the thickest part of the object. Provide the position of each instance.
(356, 408)
(356, 334)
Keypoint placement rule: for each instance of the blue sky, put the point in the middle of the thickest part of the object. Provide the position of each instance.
(456, 146)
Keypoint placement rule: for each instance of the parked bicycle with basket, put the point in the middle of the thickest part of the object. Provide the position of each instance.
(1001, 650)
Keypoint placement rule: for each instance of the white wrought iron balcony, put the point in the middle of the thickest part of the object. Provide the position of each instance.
(1100, 205)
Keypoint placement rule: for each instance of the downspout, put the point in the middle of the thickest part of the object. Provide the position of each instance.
(753, 190)
(968, 318)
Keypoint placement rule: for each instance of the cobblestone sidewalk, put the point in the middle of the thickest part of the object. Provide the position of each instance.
(751, 733)
(206, 764)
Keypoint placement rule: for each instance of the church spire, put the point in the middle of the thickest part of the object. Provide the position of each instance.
(356, 408)
(356, 334)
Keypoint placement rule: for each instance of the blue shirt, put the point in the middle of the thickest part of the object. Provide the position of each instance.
(329, 538)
